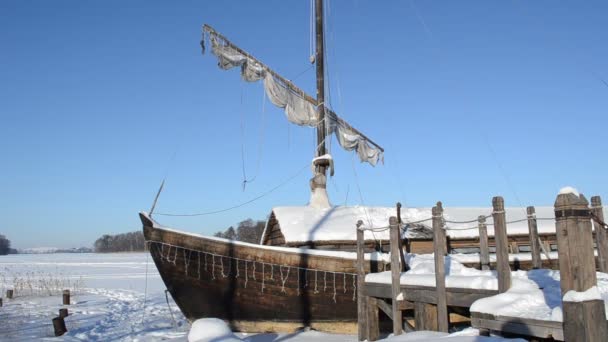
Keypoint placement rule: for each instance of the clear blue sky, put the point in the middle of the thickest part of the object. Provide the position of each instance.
(470, 99)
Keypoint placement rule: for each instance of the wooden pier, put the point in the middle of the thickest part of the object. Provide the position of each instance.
(430, 305)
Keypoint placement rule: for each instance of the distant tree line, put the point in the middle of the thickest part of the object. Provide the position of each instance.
(126, 242)
(247, 231)
(5, 245)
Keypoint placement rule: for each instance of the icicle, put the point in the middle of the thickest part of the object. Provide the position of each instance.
(222, 264)
(324, 281)
(253, 270)
(334, 287)
(271, 272)
(186, 261)
(213, 266)
(262, 277)
(206, 268)
(162, 252)
(354, 287)
(237, 268)
(344, 282)
(175, 256)
(316, 273)
(199, 265)
(284, 280)
(246, 276)
(298, 281)
(305, 279)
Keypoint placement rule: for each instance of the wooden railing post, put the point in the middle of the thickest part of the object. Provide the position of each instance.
(502, 244)
(399, 221)
(484, 250)
(601, 235)
(583, 320)
(395, 274)
(439, 246)
(361, 300)
(534, 239)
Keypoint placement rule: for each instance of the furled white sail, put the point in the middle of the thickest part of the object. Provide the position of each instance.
(298, 109)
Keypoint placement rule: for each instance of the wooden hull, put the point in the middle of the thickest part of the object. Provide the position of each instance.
(249, 285)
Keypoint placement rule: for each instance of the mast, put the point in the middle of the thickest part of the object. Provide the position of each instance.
(319, 60)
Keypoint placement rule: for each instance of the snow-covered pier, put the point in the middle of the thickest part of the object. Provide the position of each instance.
(541, 303)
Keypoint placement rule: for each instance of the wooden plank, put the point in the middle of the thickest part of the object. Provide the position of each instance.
(534, 240)
(440, 251)
(502, 254)
(395, 274)
(385, 307)
(373, 323)
(601, 235)
(484, 251)
(516, 328)
(427, 294)
(585, 321)
(361, 301)
(425, 316)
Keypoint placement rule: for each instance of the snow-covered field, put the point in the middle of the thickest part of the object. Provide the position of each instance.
(119, 297)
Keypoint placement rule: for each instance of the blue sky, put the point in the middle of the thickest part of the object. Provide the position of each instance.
(471, 99)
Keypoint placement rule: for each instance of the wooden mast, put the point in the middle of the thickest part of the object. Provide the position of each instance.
(319, 60)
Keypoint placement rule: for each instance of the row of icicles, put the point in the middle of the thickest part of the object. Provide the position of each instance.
(169, 254)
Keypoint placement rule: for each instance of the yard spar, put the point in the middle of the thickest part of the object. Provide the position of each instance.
(255, 286)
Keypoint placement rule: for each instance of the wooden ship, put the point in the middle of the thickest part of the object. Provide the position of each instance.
(267, 288)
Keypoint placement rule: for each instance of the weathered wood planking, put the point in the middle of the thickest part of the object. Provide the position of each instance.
(300, 297)
(517, 325)
(534, 239)
(427, 294)
(601, 235)
(502, 253)
(439, 253)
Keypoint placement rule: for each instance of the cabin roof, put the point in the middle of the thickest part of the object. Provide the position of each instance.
(305, 223)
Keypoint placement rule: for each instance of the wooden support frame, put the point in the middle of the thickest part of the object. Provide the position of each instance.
(395, 236)
(534, 240)
(502, 251)
(484, 250)
(439, 244)
(601, 235)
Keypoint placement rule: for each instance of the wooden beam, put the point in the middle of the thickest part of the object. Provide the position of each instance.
(439, 244)
(534, 240)
(484, 250)
(601, 235)
(361, 298)
(502, 252)
(395, 274)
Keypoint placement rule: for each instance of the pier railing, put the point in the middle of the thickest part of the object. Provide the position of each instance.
(575, 247)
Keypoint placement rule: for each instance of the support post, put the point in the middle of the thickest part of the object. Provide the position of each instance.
(601, 235)
(583, 320)
(484, 250)
(534, 239)
(373, 319)
(361, 300)
(425, 316)
(399, 221)
(439, 246)
(0, 302)
(9, 294)
(63, 313)
(59, 326)
(502, 244)
(395, 275)
(66, 297)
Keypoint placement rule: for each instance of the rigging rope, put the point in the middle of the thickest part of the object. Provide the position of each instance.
(243, 203)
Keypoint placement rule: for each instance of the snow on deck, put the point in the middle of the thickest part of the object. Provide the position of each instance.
(305, 223)
(534, 294)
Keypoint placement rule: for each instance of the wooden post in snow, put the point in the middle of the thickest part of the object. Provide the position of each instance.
(399, 221)
(534, 239)
(66, 297)
(0, 302)
(484, 250)
(395, 274)
(502, 244)
(584, 320)
(601, 235)
(439, 246)
(361, 300)
(9, 294)
(63, 313)
(59, 326)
